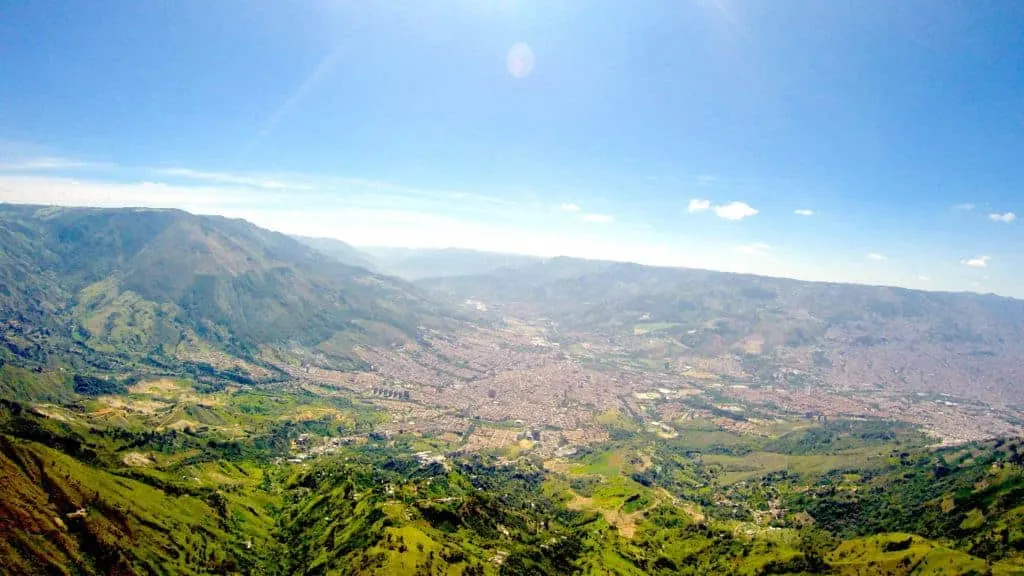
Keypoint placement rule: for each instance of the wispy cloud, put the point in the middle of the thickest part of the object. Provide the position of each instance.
(1005, 217)
(877, 257)
(979, 262)
(756, 249)
(803, 212)
(378, 186)
(598, 218)
(323, 188)
(253, 181)
(964, 206)
(50, 163)
(63, 191)
(196, 191)
(479, 198)
(698, 205)
(924, 278)
(735, 211)
(569, 207)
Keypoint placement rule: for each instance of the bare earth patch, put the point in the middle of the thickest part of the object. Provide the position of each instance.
(311, 414)
(136, 459)
(182, 425)
(50, 412)
(160, 386)
(753, 344)
(624, 522)
(140, 406)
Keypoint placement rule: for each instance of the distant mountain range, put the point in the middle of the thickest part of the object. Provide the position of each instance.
(340, 251)
(858, 336)
(847, 335)
(418, 263)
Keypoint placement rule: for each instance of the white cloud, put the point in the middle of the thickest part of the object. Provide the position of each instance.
(731, 211)
(569, 207)
(1007, 217)
(803, 212)
(876, 256)
(923, 278)
(979, 262)
(964, 206)
(598, 218)
(735, 211)
(756, 249)
(698, 205)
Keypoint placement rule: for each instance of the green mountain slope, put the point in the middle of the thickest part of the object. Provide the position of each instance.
(971, 496)
(69, 505)
(131, 285)
(87, 496)
(85, 520)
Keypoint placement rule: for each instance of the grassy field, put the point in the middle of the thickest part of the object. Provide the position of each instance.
(651, 327)
(898, 554)
(757, 464)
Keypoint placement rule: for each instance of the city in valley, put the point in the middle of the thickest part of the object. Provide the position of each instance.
(524, 385)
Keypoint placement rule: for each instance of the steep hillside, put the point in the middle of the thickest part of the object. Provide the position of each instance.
(81, 498)
(80, 519)
(847, 335)
(972, 496)
(136, 284)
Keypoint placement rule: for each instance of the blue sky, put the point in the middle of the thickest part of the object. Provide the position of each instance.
(677, 132)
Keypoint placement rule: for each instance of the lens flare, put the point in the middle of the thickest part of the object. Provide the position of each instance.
(520, 60)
